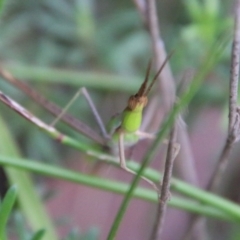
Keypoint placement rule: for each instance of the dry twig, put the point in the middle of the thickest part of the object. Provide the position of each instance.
(51, 107)
(158, 227)
(233, 126)
(29, 116)
(234, 116)
(167, 83)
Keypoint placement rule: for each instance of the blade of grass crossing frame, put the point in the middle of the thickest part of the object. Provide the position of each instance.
(5, 210)
(215, 206)
(2, 5)
(29, 202)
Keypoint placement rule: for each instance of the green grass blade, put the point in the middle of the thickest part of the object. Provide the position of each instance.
(193, 192)
(5, 210)
(215, 207)
(27, 197)
(2, 4)
(97, 80)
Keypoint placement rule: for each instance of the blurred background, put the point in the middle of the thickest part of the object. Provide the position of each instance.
(99, 39)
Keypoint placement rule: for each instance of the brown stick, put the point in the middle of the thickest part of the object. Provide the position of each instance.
(29, 116)
(164, 196)
(51, 107)
(167, 84)
(234, 117)
(233, 125)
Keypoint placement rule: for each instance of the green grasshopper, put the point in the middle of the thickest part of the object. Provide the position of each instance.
(128, 131)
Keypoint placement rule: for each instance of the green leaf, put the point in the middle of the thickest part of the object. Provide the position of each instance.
(2, 3)
(29, 201)
(194, 9)
(215, 206)
(5, 210)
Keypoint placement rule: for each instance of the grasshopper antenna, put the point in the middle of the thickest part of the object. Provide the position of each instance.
(144, 84)
(159, 71)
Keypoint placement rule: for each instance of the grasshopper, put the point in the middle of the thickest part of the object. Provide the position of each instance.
(128, 131)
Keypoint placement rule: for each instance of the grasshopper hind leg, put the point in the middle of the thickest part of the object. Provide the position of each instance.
(123, 164)
(92, 107)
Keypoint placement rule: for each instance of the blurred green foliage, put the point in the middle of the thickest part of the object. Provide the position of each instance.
(207, 24)
(91, 234)
(24, 233)
(72, 33)
(103, 36)
(6, 206)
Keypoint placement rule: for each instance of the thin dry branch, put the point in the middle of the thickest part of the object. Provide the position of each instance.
(148, 12)
(233, 86)
(167, 84)
(165, 189)
(224, 157)
(141, 6)
(233, 129)
(29, 116)
(234, 117)
(51, 107)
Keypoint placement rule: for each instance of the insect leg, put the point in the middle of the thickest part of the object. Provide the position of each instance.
(64, 110)
(144, 135)
(123, 161)
(96, 115)
(95, 112)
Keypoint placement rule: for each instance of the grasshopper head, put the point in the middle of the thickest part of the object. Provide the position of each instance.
(137, 103)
